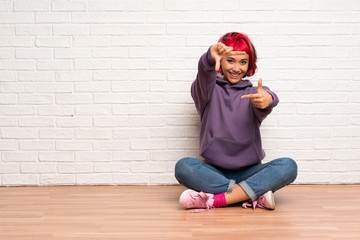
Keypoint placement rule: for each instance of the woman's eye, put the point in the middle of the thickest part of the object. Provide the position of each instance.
(243, 62)
(230, 61)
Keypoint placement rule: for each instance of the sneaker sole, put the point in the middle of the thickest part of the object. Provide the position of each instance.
(271, 199)
(182, 197)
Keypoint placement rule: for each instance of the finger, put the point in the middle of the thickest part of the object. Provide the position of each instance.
(228, 50)
(259, 84)
(217, 65)
(221, 51)
(238, 53)
(252, 96)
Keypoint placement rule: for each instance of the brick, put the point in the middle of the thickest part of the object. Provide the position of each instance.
(54, 88)
(112, 52)
(148, 167)
(57, 179)
(38, 168)
(107, 5)
(108, 75)
(39, 99)
(111, 98)
(6, 6)
(111, 167)
(9, 168)
(93, 134)
(7, 76)
(18, 110)
(56, 65)
(163, 179)
(79, 98)
(70, 30)
(74, 121)
(131, 179)
(92, 64)
(185, 5)
(17, 64)
(144, 5)
(52, 17)
(51, 133)
(8, 122)
(93, 156)
(7, 53)
(131, 155)
(65, 145)
(72, 53)
(20, 180)
(129, 133)
(55, 42)
(98, 109)
(111, 121)
(75, 167)
(108, 17)
(19, 156)
(147, 29)
(133, 109)
(19, 133)
(8, 99)
(54, 156)
(33, 53)
(68, 6)
(29, 6)
(130, 87)
(73, 76)
(94, 179)
(36, 145)
(15, 18)
(36, 122)
(146, 98)
(108, 29)
(43, 76)
(56, 110)
(147, 144)
(111, 145)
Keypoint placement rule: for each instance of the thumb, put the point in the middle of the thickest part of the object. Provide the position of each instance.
(259, 85)
(217, 64)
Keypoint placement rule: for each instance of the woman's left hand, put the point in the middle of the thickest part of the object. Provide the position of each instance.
(262, 99)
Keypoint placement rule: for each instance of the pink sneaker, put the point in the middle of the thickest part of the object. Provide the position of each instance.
(192, 199)
(266, 201)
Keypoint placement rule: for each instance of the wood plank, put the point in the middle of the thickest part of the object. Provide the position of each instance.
(152, 212)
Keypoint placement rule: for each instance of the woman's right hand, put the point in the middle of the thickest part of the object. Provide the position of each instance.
(220, 50)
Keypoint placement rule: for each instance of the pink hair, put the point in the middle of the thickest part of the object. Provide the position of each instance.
(241, 42)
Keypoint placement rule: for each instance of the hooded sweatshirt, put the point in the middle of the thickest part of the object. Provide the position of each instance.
(230, 135)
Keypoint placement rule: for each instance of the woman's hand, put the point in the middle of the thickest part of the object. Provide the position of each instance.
(262, 99)
(220, 50)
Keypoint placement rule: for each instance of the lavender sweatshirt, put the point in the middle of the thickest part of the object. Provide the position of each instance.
(230, 135)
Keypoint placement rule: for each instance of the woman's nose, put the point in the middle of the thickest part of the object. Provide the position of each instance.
(236, 67)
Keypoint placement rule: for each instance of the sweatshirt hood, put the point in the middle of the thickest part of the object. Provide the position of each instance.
(240, 85)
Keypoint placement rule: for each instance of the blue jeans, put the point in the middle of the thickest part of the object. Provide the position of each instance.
(254, 180)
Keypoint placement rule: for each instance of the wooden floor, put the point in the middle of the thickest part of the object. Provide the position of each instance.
(144, 212)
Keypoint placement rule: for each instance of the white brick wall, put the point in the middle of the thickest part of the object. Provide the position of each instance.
(97, 92)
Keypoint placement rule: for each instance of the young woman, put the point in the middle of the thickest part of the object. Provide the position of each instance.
(231, 112)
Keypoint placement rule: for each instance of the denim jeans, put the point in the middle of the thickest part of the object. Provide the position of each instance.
(254, 180)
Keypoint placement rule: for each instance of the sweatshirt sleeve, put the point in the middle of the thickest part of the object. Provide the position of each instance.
(261, 114)
(203, 86)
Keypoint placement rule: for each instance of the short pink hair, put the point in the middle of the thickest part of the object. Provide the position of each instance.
(241, 42)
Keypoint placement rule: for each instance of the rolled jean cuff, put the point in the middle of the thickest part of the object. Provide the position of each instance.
(248, 190)
(231, 184)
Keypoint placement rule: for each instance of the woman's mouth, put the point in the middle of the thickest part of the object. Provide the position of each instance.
(234, 75)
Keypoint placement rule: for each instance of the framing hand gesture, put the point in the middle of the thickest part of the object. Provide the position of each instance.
(262, 99)
(220, 50)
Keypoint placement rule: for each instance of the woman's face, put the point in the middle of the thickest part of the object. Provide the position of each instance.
(234, 67)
